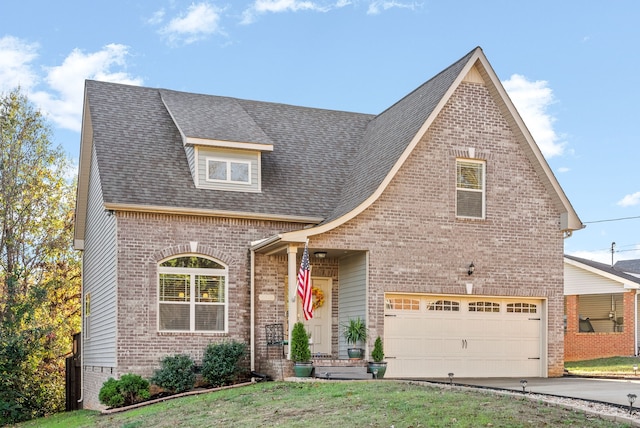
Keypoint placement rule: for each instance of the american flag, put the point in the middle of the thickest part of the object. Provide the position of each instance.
(304, 285)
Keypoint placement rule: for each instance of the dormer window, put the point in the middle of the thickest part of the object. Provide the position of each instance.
(221, 170)
(227, 169)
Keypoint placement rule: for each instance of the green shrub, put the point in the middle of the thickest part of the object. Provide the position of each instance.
(176, 373)
(221, 363)
(130, 389)
(300, 352)
(378, 353)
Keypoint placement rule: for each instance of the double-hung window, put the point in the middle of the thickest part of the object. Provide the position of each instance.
(192, 295)
(470, 188)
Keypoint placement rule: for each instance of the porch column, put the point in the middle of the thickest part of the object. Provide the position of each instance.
(292, 251)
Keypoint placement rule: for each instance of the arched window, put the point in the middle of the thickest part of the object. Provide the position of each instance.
(192, 295)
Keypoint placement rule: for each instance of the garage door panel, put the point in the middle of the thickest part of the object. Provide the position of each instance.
(433, 343)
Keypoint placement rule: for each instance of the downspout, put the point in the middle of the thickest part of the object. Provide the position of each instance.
(635, 324)
(81, 330)
(252, 338)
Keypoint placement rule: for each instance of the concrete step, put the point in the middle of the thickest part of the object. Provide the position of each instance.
(341, 373)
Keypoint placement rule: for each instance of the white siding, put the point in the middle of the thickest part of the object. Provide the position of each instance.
(581, 281)
(247, 156)
(352, 294)
(99, 276)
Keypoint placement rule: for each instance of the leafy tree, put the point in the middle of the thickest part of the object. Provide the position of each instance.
(39, 271)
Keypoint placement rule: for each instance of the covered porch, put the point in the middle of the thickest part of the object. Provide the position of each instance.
(339, 279)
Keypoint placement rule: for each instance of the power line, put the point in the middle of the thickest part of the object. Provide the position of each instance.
(611, 219)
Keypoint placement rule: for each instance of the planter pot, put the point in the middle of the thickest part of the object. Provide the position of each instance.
(303, 369)
(355, 353)
(378, 369)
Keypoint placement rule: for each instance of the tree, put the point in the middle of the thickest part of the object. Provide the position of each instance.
(39, 271)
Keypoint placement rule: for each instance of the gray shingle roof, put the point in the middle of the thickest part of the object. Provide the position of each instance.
(324, 163)
(631, 266)
(605, 268)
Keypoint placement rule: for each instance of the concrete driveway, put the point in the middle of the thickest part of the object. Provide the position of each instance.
(605, 390)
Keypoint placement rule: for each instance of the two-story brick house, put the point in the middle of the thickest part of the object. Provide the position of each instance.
(438, 221)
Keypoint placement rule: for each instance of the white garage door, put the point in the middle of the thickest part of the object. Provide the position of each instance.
(431, 336)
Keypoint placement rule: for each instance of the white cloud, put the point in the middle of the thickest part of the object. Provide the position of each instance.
(16, 70)
(277, 6)
(376, 6)
(532, 100)
(200, 21)
(62, 101)
(157, 17)
(563, 169)
(630, 200)
(602, 256)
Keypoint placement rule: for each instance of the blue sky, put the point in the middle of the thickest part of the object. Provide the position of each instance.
(569, 67)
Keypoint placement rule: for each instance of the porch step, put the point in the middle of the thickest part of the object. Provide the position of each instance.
(342, 373)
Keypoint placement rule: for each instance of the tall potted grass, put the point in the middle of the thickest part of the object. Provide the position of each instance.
(300, 352)
(355, 333)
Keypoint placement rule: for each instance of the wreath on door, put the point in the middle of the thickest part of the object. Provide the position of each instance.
(317, 297)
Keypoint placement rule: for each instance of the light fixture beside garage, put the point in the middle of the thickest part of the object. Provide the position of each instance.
(472, 269)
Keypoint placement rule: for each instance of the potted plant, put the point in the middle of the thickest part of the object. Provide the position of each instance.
(355, 332)
(377, 366)
(300, 352)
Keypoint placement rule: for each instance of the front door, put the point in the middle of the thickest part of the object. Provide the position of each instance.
(320, 325)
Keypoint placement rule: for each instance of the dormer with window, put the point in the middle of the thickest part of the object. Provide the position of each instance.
(223, 143)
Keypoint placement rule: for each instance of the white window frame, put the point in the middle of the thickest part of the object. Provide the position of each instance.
(483, 190)
(228, 162)
(193, 272)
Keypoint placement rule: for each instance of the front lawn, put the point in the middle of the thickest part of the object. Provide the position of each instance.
(382, 403)
(614, 366)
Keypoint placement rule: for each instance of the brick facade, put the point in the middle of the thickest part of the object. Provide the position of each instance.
(146, 239)
(586, 346)
(416, 244)
(414, 240)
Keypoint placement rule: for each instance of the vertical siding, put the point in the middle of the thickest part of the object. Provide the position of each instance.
(352, 294)
(99, 276)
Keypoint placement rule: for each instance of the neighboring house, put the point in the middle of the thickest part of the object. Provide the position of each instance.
(632, 267)
(601, 310)
(193, 211)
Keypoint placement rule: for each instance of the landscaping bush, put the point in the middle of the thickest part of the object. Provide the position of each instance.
(221, 364)
(130, 389)
(176, 373)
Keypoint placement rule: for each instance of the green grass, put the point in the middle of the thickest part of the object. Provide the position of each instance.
(615, 366)
(377, 404)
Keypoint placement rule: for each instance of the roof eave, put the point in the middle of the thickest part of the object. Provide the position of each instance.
(84, 171)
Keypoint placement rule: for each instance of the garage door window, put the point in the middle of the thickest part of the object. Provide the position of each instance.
(524, 308)
(401, 304)
(484, 307)
(443, 305)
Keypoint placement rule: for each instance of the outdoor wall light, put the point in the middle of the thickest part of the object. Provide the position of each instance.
(472, 269)
(450, 378)
(632, 398)
(524, 382)
(320, 254)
